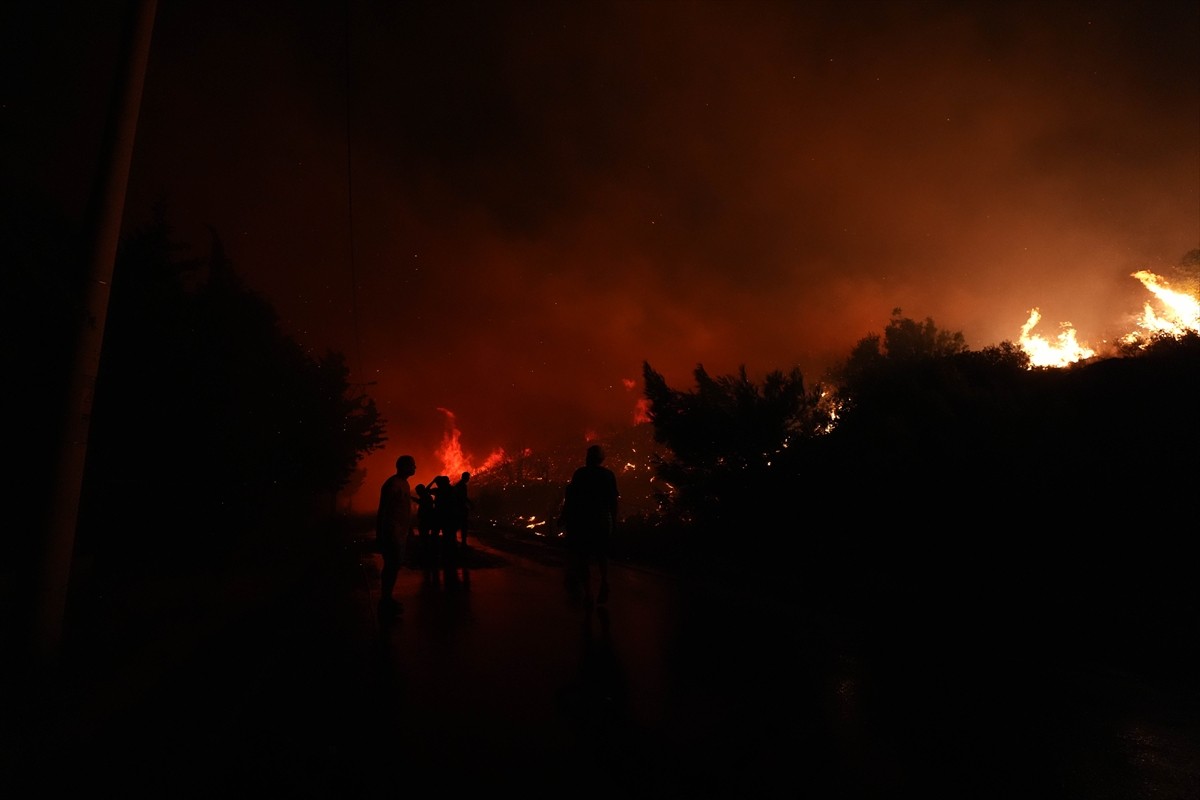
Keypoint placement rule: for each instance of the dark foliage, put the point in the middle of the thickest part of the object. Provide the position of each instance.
(208, 420)
(929, 419)
(958, 491)
(733, 447)
(939, 439)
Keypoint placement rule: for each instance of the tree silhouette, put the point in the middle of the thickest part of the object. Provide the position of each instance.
(908, 409)
(732, 444)
(904, 342)
(927, 412)
(207, 418)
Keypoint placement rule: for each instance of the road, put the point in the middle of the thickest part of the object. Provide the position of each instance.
(494, 679)
(685, 688)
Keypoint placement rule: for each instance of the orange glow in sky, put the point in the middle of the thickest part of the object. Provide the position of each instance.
(504, 209)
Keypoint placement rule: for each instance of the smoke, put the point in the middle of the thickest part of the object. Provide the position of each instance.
(505, 209)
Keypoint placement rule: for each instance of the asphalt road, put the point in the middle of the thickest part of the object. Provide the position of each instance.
(687, 688)
(494, 678)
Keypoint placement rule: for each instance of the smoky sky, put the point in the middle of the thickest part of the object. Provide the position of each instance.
(504, 208)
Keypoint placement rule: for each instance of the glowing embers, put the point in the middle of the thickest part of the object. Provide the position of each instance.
(540, 527)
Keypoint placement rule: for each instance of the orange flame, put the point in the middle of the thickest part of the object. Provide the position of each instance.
(1043, 353)
(1182, 311)
(1181, 314)
(454, 460)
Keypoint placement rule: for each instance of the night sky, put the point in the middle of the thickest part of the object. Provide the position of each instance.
(502, 209)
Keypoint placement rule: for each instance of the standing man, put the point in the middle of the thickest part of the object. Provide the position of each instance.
(443, 518)
(393, 522)
(461, 507)
(589, 515)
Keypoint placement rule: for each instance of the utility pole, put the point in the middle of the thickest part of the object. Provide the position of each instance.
(113, 182)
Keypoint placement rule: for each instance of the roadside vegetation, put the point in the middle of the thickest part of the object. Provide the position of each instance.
(216, 437)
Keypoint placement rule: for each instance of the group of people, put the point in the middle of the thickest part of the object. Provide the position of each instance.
(443, 514)
(436, 516)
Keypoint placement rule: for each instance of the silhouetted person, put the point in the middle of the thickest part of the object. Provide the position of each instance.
(460, 510)
(426, 553)
(589, 515)
(393, 522)
(443, 517)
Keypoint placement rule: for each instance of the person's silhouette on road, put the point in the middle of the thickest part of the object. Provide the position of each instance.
(426, 548)
(589, 516)
(443, 517)
(393, 522)
(460, 510)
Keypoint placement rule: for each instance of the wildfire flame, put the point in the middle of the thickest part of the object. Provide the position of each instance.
(1043, 353)
(454, 461)
(1182, 311)
(1180, 315)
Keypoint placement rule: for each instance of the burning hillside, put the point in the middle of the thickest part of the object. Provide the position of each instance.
(1178, 314)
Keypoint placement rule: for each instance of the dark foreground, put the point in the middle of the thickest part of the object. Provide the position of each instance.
(817, 680)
